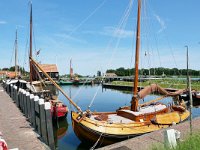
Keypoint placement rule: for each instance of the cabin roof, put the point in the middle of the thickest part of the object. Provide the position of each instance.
(49, 67)
(111, 74)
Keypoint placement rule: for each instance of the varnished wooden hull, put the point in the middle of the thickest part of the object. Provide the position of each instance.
(89, 131)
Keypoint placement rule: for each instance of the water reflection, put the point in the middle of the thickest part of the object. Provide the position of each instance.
(105, 100)
(60, 129)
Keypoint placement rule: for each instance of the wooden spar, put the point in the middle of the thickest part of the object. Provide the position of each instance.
(55, 84)
(16, 55)
(153, 101)
(134, 102)
(189, 88)
(30, 53)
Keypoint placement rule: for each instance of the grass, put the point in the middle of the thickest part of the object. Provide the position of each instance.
(190, 143)
(165, 83)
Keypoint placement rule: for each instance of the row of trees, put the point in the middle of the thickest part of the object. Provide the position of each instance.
(21, 69)
(154, 72)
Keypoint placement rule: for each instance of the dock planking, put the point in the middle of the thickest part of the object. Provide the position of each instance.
(15, 128)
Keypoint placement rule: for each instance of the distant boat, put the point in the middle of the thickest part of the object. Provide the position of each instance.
(105, 128)
(68, 82)
(74, 80)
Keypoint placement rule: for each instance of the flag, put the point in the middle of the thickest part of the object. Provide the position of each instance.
(38, 52)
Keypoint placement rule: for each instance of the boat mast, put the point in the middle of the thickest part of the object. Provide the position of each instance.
(30, 54)
(16, 55)
(71, 70)
(134, 102)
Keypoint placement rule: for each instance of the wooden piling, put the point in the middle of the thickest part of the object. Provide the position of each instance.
(33, 114)
(23, 100)
(31, 108)
(20, 98)
(49, 125)
(26, 103)
(15, 94)
(37, 117)
(43, 121)
(11, 91)
(7, 88)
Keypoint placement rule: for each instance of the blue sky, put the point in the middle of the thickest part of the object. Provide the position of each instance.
(92, 33)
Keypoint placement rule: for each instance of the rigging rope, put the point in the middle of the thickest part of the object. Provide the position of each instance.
(118, 31)
(83, 21)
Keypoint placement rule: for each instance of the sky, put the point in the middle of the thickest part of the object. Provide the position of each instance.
(100, 34)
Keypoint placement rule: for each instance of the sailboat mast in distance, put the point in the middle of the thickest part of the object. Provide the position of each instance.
(16, 55)
(30, 54)
(71, 69)
(134, 102)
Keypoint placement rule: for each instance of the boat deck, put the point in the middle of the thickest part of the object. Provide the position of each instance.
(114, 118)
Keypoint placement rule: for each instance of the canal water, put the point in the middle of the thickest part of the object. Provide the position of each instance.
(100, 100)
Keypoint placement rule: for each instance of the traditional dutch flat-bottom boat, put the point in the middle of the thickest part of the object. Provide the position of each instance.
(195, 97)
(111, 127)
(105, 128)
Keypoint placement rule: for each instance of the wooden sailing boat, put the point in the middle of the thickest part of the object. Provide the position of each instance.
(74, 80)
(109, 127)
(58, 109)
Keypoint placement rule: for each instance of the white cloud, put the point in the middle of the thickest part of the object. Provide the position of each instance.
(66, 36)
(3, 22)
(161, 22)
(112, 31)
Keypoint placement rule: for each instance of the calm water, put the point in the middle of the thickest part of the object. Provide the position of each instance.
(105, 100)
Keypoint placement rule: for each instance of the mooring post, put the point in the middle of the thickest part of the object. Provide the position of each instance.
(23, 101)
(15, 94)
(43, 121)
(26, 102)
(11, 91)
(49, 125)
(4, 83)
(35, 101)
(31, 108)
(19, 98)
(37, 117)
(7, 88)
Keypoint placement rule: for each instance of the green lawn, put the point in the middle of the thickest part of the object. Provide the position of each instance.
(190, 143)
(165, 83)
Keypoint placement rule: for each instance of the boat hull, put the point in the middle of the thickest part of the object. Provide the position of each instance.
(59, 111)
(74, 83)
(90, 131)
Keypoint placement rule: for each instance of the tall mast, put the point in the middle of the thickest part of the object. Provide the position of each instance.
(30, 54)
(134, 102)
(71, 70)
(187, 67)
(16, 55)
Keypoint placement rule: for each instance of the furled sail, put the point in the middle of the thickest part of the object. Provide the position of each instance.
(156, 88)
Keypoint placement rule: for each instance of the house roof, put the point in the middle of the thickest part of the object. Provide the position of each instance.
(10, 74)
(111, 74)
(49, 67)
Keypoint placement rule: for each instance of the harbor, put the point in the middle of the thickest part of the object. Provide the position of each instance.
(126, 88)
(64, 136)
